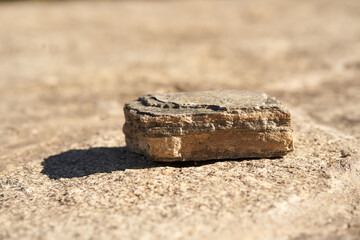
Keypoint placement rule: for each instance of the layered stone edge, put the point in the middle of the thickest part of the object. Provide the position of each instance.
(261, 131)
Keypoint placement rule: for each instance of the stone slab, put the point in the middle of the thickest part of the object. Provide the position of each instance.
(195, 126)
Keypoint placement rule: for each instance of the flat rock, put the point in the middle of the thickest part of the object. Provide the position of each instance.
(195, 126)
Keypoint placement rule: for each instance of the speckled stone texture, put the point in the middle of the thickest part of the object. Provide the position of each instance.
(208, 125)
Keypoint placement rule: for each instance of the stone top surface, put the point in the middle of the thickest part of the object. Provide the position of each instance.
(203, 102)
(220, 98)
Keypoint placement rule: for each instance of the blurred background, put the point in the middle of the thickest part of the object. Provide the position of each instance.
(67, 67)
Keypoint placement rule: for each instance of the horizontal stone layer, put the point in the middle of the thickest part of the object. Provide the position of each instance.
(229, 144)
(188, 124)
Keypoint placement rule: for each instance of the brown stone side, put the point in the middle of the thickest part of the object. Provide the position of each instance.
(221, 145)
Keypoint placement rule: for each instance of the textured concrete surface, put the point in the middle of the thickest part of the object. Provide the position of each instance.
(207, 125)
(67, 68)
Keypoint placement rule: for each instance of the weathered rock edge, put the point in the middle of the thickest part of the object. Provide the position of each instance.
(197, 126)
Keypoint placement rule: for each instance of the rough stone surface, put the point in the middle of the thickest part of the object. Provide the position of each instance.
(223, 124)
(68, 67)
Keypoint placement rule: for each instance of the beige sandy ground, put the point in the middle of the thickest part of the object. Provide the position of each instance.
(66, 69)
